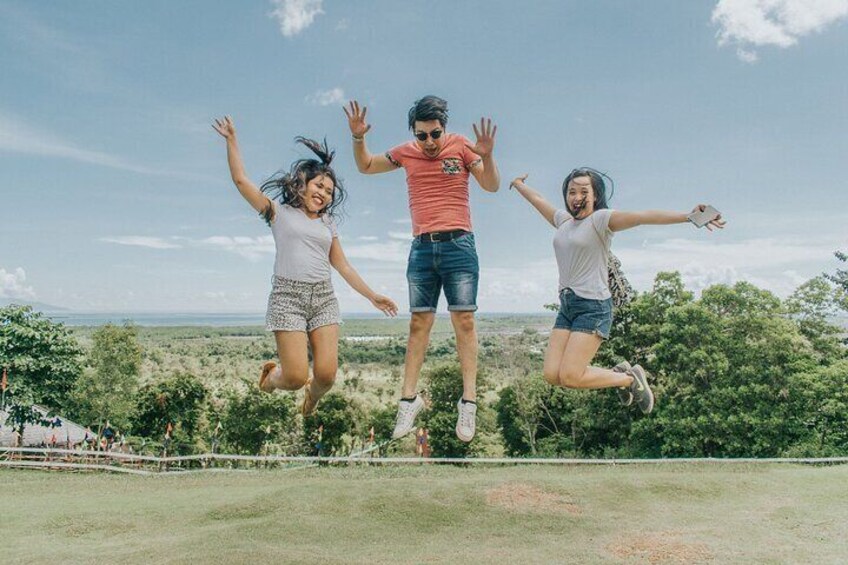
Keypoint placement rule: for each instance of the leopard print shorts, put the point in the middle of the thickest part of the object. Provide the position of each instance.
(297, 306)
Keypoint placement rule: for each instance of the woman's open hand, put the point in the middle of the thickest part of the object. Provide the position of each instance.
(225, 127)
(385, 305)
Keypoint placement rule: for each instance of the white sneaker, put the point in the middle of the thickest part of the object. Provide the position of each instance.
(405, 421)
(466, 424)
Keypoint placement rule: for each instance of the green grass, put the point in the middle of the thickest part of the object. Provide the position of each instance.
(630, 514)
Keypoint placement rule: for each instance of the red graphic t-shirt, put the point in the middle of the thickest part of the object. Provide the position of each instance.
(438, 186)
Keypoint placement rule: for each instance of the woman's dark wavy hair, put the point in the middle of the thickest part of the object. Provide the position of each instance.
(287, 187)
(599, 187)
(429, 108)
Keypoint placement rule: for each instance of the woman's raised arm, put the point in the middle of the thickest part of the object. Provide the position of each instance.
(545, 208)
(248, 190)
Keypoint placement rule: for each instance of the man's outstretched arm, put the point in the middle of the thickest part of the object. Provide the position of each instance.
(366, 162)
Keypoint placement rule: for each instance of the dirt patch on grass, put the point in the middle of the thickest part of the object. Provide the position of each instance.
(521, 497)
(661, 547)
(78, 526)
(240, 511)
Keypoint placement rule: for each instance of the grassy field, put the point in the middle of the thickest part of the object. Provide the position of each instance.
(628, 514)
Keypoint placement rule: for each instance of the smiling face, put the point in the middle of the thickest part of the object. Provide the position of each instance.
(430, 146)
(580, 197)
(318, 193)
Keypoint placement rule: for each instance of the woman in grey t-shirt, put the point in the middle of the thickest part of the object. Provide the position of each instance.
(299, 206)
(584, 230)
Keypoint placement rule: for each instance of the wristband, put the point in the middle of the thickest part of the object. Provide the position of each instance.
(359, 139)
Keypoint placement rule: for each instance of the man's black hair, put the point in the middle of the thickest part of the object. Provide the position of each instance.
(429, 108)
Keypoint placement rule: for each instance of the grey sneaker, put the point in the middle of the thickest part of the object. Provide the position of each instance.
(405, 421)
(466, 423)
(624, 394)
(641, 391)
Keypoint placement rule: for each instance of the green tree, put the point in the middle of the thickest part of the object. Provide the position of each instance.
(811, 306)
(42, 357)
(108, 386)
(724, 365)
(342, 418)
(537, 419)
(444, 385)
(840, 279)
(383, 421)
(178, 400)
(822, 404)
(251, 419)
(21, 413)
(519, 415)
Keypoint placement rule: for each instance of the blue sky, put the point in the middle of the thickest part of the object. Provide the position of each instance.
(115, 195)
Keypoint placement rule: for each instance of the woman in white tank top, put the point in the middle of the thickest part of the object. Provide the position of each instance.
(584, 231)
(299, 206)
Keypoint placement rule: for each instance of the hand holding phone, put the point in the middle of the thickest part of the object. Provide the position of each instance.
(703, 215)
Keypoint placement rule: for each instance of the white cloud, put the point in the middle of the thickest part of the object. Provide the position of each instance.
(327, 97)
(523, 288)
(13, 285)
(367, 238)
(343, 24)
(294, 16)
(776, 264)
(215, 295)
(142, 241)
(392, 251)
(780, 23)
(400, 236)
(18, 137)
(252, 248)
(747, 56)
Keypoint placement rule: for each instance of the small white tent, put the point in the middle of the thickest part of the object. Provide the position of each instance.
(64, 431)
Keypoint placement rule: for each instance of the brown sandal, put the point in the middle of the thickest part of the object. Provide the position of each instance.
(266, 370)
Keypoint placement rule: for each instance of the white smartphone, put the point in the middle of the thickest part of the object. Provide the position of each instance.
(700, 219)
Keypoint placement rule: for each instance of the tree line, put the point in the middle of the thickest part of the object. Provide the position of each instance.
(737, 372)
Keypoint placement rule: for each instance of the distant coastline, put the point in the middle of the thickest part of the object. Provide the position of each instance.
(172, 319)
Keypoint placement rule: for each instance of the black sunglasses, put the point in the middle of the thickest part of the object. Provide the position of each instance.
(435, 134)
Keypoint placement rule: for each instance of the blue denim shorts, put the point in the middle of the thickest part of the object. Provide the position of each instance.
(450, 265)
(585, 315)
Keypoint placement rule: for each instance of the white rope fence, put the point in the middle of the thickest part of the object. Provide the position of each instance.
(62, 459)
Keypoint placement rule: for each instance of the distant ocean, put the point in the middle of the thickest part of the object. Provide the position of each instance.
(70, 318)
(156, 319)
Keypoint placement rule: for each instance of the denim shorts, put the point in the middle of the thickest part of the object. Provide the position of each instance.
(450, 265)
(585, 315)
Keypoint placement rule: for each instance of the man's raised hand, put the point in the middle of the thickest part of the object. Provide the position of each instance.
(356, 119)
(485, 137)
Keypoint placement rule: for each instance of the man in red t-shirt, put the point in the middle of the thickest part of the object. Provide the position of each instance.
(443, 254)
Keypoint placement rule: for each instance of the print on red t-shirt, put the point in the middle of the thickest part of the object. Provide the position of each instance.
(437, 186)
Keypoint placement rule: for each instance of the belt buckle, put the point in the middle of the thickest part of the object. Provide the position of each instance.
(434, 237)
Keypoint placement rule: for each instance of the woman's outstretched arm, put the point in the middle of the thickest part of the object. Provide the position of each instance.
(625, 220)
(538, 201)
(248, 190)
(340, 263)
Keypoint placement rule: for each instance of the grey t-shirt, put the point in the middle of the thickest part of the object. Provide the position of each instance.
(303, 244)
(581, 248)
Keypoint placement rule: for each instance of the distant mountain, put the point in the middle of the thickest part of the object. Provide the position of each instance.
(39, 306)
